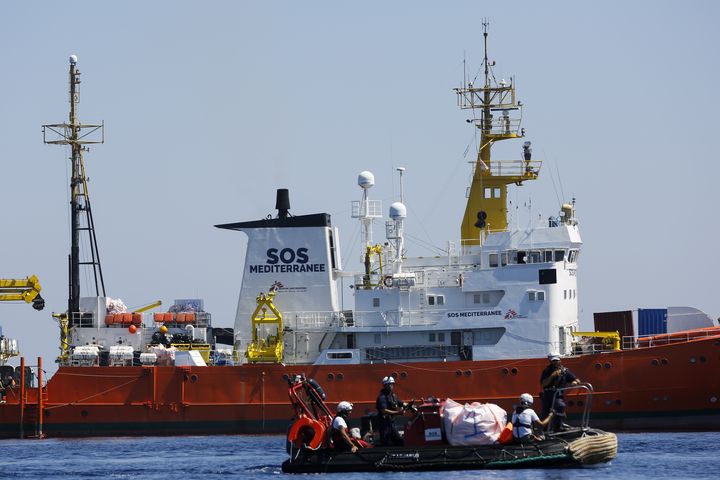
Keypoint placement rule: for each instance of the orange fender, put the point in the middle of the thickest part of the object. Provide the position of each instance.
(318, 429)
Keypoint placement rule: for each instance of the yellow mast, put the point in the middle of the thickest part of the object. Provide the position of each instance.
(486, 209)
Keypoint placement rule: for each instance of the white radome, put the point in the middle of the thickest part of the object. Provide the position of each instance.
(73, 59)
(398, 210)
(366, 179)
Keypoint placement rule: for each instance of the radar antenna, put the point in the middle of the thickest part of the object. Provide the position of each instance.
(78, 136)
(486, 209)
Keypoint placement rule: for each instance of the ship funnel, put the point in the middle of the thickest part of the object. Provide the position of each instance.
(282, 203)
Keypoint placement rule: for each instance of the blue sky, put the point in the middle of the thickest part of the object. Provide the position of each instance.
(211, 106)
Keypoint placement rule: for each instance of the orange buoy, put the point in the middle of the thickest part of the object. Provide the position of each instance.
(132, 329)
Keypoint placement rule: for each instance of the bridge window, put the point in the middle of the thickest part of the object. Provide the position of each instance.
(572, 257)
(493, 260)
(548, 256)
(436, 336)
(436, 299)
(559, 255)
(376, 302)
(339, 355)
(521, 257)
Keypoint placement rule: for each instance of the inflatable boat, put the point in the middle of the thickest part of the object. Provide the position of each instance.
(311, 450)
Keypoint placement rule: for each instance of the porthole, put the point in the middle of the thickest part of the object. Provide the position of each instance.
(340, 376)
(194, 378)
(394, 375)
(702, 359)
(514, 371)
(468, 373)
(580, 403)
(458, 373)
(598, 366)
(618, 402)
(505, 371)
(655, 361)
(403, 374)
(693, 359)
(331, 377)
(608, 365)
(570, 403)
(664, 361)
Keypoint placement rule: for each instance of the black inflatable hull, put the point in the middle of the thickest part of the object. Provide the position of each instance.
(572, 448)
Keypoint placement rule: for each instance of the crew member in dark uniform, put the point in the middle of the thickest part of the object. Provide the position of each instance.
(555, 376)
(388, 407)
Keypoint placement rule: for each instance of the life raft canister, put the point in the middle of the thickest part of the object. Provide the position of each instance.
(295, 434)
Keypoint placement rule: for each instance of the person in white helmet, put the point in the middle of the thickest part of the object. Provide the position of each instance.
(524, 419)
(340, 436)
(388, 407)
(555, 377)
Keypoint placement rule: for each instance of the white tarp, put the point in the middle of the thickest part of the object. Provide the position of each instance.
(474, 423)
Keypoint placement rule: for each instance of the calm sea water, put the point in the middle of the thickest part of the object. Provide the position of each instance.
(646, 455)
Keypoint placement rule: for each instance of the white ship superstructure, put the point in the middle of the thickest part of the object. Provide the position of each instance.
(507, 293)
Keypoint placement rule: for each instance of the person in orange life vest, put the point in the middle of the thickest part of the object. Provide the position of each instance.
(340, 437)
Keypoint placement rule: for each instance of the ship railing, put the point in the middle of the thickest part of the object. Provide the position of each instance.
(585, 387)
(402, 352)
(396, 318)
(631, 342)
(82, 319)
(591, 348)
(391, 318)
(511, 168)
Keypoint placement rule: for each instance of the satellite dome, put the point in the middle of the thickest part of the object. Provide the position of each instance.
(366, 179)
(73, 59)
(398, 210)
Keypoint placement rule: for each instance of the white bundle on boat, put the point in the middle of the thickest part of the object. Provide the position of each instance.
(115, 305)
(165, 356)
(473, 424)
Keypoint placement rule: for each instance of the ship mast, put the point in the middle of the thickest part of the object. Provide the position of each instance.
(486, 209)
(78, 136)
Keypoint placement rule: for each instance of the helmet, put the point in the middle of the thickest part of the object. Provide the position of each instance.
(526, 398)
(163, 329)
(344, 407)
(389, 380)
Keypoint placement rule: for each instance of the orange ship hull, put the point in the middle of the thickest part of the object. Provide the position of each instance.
(667, 387)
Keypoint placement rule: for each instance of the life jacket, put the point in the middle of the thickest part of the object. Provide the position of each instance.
(517, 423)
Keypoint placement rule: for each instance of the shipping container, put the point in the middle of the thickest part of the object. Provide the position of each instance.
(621, 322)
(652, 321)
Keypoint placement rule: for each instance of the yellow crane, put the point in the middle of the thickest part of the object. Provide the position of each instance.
(13, 290)
(24, 289)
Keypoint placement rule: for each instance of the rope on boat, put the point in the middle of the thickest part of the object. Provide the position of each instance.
(593, 449)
